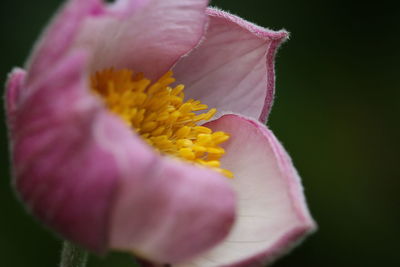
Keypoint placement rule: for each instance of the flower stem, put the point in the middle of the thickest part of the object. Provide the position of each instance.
(73, 256)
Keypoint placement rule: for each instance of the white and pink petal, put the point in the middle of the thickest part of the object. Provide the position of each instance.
(150, 39)
(147, 36)
(233, 67)
(272, 212)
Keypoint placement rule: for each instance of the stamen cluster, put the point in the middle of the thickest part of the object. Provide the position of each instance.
(158, 113)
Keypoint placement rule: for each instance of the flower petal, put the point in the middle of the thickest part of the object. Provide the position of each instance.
(172, 212)
(150, 39)
(133, 34)
(273, 215)
(13, 87)
(233, 68)
(58, 38)
(61, 172)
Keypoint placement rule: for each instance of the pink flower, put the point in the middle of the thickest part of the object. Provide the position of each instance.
(83, 172)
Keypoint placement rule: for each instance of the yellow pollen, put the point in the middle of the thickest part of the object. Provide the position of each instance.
(158, 113)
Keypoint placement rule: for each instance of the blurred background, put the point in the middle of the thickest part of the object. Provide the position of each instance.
(336, 111)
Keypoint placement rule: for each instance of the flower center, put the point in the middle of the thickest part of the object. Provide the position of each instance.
(159, 114)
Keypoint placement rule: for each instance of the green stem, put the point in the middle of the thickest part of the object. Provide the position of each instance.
(73, 256)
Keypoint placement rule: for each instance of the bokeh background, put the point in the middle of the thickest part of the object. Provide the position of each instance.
(336, 111)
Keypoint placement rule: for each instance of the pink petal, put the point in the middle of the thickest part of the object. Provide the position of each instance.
(184, 210)
(148, 36)
(233, 68)
(272, 213)
(61, 171)
(13, 87)
(150, 39)
(59, 36)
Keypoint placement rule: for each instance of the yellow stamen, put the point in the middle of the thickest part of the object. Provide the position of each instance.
(158, 113)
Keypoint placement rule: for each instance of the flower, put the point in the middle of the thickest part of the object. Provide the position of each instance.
(80, 134)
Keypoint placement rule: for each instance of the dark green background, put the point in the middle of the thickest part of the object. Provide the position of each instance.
(336, 111)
